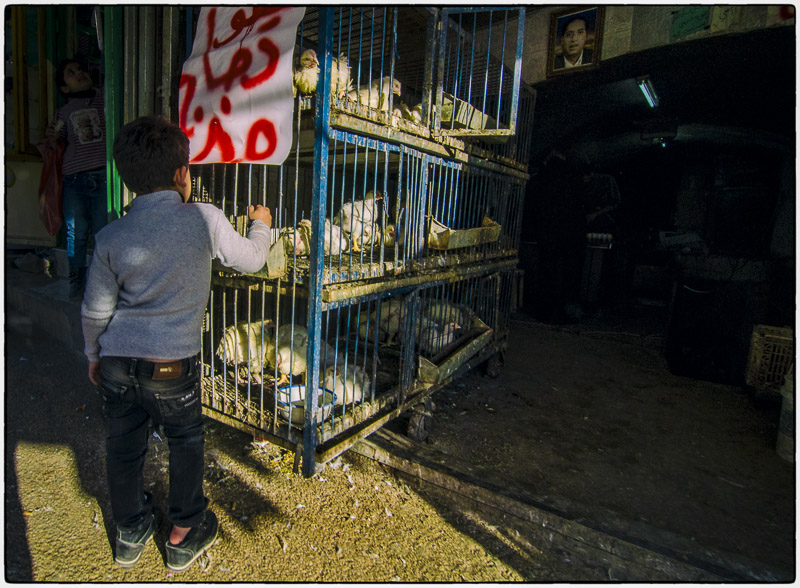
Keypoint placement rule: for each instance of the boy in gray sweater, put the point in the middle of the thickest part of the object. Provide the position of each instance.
(142, 316)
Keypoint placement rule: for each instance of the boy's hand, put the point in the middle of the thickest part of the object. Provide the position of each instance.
(258, 212)
(94, 372)
(52, 131)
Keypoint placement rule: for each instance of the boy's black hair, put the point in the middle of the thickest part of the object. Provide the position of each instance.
(148, 151)
(59, 73)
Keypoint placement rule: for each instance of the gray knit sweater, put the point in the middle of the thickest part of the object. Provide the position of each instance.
(149, 280)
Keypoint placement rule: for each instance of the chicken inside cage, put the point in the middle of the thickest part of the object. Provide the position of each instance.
(475, 87)
(243, 346)
(261, 345)
(369, 350)
(384, 325)
(378, 60)
(415, 68)
(361, 230)
(438, 323)
(290, 404)
(355, 228)
(386, 211)
(396, 225)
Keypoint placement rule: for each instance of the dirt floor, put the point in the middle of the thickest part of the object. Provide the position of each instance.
(593, 420)
(355, 522)
(597, 422)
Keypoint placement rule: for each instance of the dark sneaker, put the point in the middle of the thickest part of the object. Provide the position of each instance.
(195, 544)
(130, 545)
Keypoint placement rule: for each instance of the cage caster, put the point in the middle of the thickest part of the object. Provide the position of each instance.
(495, 364)
(419, 422)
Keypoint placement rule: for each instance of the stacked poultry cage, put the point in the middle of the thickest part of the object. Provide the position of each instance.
(397, 226)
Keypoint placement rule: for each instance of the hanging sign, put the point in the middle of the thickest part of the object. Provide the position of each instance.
(236, 87)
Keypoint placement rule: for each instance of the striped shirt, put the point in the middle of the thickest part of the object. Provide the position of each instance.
(84, 131)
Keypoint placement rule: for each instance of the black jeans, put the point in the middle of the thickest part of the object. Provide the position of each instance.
(131, 397)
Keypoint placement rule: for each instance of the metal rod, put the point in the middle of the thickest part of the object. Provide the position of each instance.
(502, 68)
(512, 124)
(320, 189)
(486, 70)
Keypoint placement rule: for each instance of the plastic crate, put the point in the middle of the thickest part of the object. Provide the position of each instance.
(771, 358)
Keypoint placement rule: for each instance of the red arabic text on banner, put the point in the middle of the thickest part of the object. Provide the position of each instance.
(236, 87)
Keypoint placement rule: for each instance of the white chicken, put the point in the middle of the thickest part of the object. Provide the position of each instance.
(335, 240)
(365, 210)
(438, 325)
(295, 242)
(241, 343)
(341, 83)
(388, 236)
(298, 241)
(358, 218)
(389, 324)
(416, 114)
(434, 337)
(288, 352)
(403, 111)
(350, 387)
(306, 77)
(443, 312)
(376, 95)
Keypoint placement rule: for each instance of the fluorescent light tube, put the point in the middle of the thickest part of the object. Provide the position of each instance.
(646, 86)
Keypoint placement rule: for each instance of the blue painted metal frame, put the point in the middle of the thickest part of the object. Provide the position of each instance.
(323, 136)
(320, 188)
(517, 70)
(367, 143)
(445, 25)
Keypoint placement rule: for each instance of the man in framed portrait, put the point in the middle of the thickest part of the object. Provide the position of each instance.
(573, 44)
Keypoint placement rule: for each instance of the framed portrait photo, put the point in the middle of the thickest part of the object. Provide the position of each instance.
(575, 40)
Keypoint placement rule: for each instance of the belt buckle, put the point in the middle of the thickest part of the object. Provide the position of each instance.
(168, 371)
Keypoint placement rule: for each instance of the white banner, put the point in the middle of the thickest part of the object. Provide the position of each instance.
(236, 87)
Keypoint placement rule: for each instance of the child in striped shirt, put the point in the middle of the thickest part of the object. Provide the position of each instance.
(80, 123)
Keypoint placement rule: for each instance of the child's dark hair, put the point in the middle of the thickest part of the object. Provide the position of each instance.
(59, 74)
(148, 151)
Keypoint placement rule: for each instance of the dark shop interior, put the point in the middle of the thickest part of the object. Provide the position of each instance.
(705, 228)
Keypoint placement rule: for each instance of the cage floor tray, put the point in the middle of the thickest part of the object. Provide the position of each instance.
(458, 114)
(441, 237)
(444, 365)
